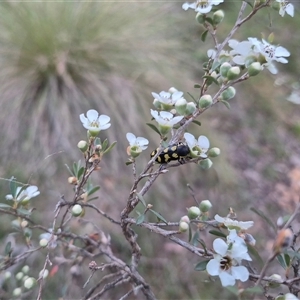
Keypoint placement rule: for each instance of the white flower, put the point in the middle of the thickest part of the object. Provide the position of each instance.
(270, 52)
(225, 263)
(168, 98)
(139, 143)
(94, 122)
(198, 147)
(165, 118)
(253, 47)
(202, 6)
(286, 7)
(234, 224)
(25, 195)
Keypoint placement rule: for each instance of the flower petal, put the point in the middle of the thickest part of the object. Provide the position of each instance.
(203, 142)
(226, 278)
(104, 119)
(220, 246)
(92, 115)
(240, 272)
(213, 267)
(131, 138)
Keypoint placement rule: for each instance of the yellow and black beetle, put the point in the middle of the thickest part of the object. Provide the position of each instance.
(173, 152)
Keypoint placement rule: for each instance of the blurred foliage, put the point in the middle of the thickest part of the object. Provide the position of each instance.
(58, 60)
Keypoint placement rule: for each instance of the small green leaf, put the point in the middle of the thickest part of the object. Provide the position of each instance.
(159, 216)
(196, 122)
(281, 261)
(210, 80)
(3, 205)
(195, 239)
(225, 103)
(104, 144)
(153, 127)
(97, 141)
(204, 35)
(110, 147)
(71, 173)
(197, 86)
(201, 266)
(75, 169)
(253, 290)
(128, 163)
(192, 97)
(249, 3)
(215, 65)
(263, 216)
(217, 233)
(190, 233)
(80, 172)
(141, 198)
(140, 219)
(13, 186)
(287, 259)
(8, 249)
(93, 190)
(92, 199)
(27, 232)
(254, 253)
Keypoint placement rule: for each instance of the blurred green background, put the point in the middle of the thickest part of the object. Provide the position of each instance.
(57, 60)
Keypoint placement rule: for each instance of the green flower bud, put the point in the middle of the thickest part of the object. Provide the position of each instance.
(25, 201)
(185, 219)
(228, 94)
(249, 60)
(233, 73)
(225, 68)
(218, 17)
(43, 242)
(275, 5)
(180, 106)
(193, 212)
(172, 90)
(77, 210)
(93, 133)
(7, 275)
(190, 108)
(200, 18)
(205, 101)
(183, 226)
(17, 292)
(206, 163)
(166, 107)
(224, 58)
(25, 269)
(83, 146)
(157, 104)
(19, 275)
(276, 278)
(29, 283)
(25, 277)
(254, 69)
(164, 129)
(205, 206)
(135, 151)
(214, 152)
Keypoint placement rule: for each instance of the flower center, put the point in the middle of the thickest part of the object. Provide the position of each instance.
(269, 51)
(94, 124)
(202, 3)
(226, 263)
